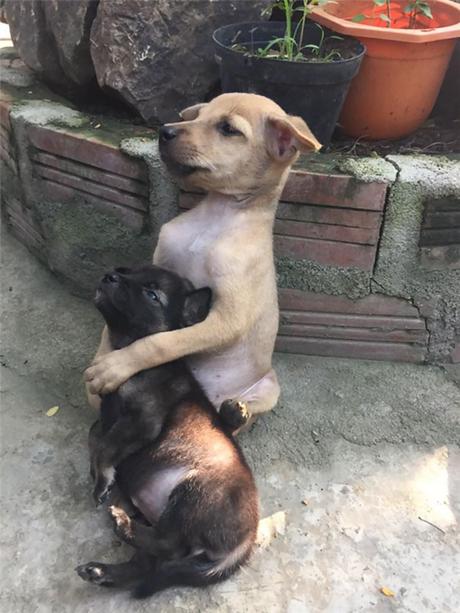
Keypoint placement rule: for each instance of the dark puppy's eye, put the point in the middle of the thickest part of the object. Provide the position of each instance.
(226, 129)
(151, 293)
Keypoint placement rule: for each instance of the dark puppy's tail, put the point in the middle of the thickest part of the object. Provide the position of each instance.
(196, 571)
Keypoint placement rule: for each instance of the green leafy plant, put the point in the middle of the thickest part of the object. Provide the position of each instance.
(318, 50)
(414, 9)
(384, 16)
(290, 46)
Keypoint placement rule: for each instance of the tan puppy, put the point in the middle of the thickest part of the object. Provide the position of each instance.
(238, 148)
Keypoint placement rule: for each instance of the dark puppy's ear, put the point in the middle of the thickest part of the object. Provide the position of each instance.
(196, 306)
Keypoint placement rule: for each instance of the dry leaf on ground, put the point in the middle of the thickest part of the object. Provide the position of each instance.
(387, 592)
(52, 411)
(270, 527)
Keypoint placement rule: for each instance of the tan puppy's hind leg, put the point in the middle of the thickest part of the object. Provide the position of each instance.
(94, 400)
(241, 412)
(263, 396)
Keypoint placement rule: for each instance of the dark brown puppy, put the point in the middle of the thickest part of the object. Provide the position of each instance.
(175, 457)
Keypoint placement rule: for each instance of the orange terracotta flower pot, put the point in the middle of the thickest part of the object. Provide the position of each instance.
(402, 72)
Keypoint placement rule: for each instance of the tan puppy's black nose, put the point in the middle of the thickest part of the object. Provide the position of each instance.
(167, 133)
(111, 278)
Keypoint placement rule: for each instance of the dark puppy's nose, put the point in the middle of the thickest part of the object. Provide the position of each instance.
(167, 133)
(111, 278)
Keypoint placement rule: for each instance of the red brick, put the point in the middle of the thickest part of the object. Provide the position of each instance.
(397, 352)
(326, 252)
(343, 234)
(351, 320)
(350, 333)
(329, 215)
(86, 150)
(375, 304)
(104, 177)
(85, 186)
(334, 190)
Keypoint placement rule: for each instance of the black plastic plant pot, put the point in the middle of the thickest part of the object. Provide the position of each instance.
(313, 90)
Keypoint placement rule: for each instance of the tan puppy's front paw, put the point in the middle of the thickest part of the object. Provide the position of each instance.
(108, 372)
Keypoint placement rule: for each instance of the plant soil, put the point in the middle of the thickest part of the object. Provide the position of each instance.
(343, 49)
(436, 135)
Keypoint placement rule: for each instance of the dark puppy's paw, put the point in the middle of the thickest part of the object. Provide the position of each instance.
(94, 573)
(102, 489)
(101, 493)
(234, 413)
(122, 521)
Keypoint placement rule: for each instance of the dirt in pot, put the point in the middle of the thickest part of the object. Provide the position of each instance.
(332, 48)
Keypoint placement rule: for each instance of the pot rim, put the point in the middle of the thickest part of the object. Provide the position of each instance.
(360, 30)
(356, 56)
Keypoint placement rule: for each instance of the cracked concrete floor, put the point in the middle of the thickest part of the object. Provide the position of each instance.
(360, 456)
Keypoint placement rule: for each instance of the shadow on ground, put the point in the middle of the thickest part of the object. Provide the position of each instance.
(363, 457)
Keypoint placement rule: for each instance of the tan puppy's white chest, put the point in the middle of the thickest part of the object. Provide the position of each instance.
(188, 243)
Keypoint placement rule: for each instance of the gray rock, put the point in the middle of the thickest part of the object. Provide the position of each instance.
(70, 23)
(32, 40)
(52, 38)
(158, 55)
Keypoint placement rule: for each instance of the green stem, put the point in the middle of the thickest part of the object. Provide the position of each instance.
(304, 17)
(288, 13)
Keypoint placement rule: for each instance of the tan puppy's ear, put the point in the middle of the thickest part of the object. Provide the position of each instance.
(288, 135)
(309, 139)
(192, 112)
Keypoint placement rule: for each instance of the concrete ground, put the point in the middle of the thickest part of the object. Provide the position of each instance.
(362, 457)
(5, 38)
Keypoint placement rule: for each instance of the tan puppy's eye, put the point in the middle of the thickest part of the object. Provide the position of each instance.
(226, 129)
